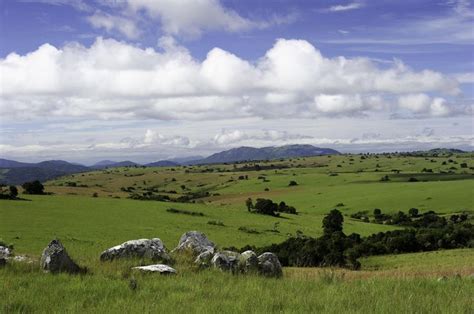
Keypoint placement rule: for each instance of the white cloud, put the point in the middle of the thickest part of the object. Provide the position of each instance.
(111, 23)
(228, 137)
(153, 138)
(190, 17)
(465, 78)
(116, 80)
(346, 104)
(452, 25)
(424, 104)
(346, 7)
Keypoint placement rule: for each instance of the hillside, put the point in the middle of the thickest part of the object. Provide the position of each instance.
(266, 153)
(18, 173)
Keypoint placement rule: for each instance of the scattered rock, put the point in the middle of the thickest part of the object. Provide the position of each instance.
(157, 268)
(144, 248)
(55, 259)
(195, 242)
(442, 279)
(269, 265)
(248, 262)
(226, 260)
(22, 259)
(203, 260)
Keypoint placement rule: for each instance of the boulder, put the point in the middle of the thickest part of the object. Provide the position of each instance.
(203, 260)
(195, 242)
(142, 248)
(269, 265)
(55, 259)
(157, 268)
(248, 262)
(226, 260)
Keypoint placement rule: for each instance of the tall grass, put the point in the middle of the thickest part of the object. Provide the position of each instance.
(112, 287)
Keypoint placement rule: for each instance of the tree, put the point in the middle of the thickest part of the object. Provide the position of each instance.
(266, 207)
(333, 222)
(249, 204)
(34, 187)
(13, 191)
(377, 212)
(413, 212)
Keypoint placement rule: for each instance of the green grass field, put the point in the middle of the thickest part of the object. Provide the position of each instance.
(87, 225)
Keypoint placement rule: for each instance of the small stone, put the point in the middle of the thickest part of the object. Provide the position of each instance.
(5, 252)
(157, 268)
(442, 279)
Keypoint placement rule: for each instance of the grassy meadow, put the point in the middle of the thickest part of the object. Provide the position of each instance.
(87, 225)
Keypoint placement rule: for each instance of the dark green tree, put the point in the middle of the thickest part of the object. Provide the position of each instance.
(413, 212)
(34, 187)
(333, 222)
(13, 191)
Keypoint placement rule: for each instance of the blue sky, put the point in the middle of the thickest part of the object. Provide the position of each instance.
(146, 80)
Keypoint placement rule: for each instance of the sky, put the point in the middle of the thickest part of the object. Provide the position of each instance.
(147, 80)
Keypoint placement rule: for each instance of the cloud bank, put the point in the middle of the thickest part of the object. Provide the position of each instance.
(115, 80)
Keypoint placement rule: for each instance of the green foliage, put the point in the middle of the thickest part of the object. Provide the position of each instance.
(34, 187)
(333, 222)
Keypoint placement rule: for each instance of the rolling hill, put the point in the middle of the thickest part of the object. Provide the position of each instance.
(266, 153)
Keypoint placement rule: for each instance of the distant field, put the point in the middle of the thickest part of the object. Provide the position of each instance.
(87, 225)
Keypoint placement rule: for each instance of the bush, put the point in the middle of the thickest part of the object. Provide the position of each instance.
(183, 211)
(34, 187)
(215, 223)
(292, 183)
(248, 230)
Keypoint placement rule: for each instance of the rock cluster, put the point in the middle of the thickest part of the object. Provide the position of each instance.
(55, 259)
(142, 248)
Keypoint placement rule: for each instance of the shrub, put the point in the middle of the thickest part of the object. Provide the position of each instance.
(292, 183)
(248, 230)
(183, 211)
(216, 223)
(34, 187)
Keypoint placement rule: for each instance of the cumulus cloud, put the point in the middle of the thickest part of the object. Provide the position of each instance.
(424, 104)
(116, 80)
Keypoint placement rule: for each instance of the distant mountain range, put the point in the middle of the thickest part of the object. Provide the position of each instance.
(266, 153)
(14, 172)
